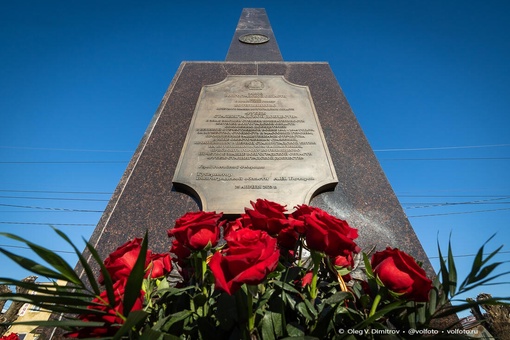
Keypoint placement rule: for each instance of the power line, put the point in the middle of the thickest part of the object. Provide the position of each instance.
(381, 159)
(446, 204)
(26, 212)
(22, 247)
(61, 149)
(459, 213)
(423, 205)
(60, 192)
(444, 148)
(448, 159)
(65, 162)
(376, 150)
(56, 198)
(50, 208)
(422, 196)
(110, 193)
(432, 205)
(470, 255)
(50, 224)
(72, 252)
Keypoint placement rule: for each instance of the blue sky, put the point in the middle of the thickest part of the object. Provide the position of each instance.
(428, 81)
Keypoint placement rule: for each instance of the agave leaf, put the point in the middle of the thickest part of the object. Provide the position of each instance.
(495, 283)
(70, 306)
(479, 274)
(38, 299)
(485, 271)
(45, 288)
(411, 314)
(134, 281)
(452, 271)
(86, 267)
(486, 282)
(33, 266)
(445, 276)
(50, 257)
(492, 254)
(433, 301)
(465, 306)
(106, 276)
(422, 314)
(478, 262)
(60, 323)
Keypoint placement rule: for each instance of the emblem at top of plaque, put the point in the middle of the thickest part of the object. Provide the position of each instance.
(254, 137)
(252, 38)
(254, 84)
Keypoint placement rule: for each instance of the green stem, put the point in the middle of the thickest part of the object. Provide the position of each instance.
(251, 315)
(377, 299)
(316, 258)
(203, 259)
(300, 253)
(200, 265)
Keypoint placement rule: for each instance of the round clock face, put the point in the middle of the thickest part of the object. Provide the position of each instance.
(254, 38)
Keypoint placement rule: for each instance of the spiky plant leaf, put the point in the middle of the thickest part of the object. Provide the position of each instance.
(106, 276)
(33, 266)
(83, 262)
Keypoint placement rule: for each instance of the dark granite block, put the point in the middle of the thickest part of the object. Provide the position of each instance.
(145, 198)
(254, 21)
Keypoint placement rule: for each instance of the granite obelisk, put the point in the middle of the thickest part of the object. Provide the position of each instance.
(146, 199)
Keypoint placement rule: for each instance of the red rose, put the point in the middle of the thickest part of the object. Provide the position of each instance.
(268, 216)
(249, 257)
(287, 237)
(297, 224)
(307, 279)
(326, 233)
(180, 251)
(159, 265)
(196, 230)
(12, 336)
(344, 261)
(400, 273)
(303, 210)
(120, 263)
(234, 226)
(112, 314)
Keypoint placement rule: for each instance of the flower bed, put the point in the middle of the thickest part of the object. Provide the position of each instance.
(266, 275)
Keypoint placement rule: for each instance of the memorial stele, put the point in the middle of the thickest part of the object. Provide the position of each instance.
(253, 126)
(254, 136)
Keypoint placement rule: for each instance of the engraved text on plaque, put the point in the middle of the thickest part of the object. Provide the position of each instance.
(254, 137)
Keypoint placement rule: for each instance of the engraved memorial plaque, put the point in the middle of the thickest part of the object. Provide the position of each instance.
(254, 137)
